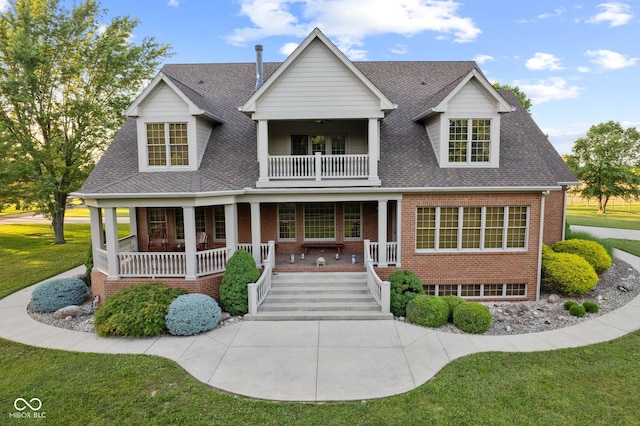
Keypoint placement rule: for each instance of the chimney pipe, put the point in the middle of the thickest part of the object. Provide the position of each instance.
(259, 67)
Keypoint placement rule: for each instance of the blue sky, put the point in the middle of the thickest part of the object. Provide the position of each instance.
(579, 61)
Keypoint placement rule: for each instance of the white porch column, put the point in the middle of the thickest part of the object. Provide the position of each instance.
(231, 227)
(133, 221)
(382, 233)
(263, 150)
(97, 235)
(189, 214)
(256, 233)
(111, 231)
(374, 148)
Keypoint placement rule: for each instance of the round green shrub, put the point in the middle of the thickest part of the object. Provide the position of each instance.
(453, 302)
(568, 304)
(591, 307)
(428, 311)
(404, 286)
(241, 270)
(136, 311)
(56, 294)
(577, 310)
(191, 314)
(568, 274)
(547, 251)
(472, 317)
(590, 251)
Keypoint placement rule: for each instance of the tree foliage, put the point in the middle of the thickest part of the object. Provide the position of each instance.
(606, 162)
(65, 78)
(522, 97)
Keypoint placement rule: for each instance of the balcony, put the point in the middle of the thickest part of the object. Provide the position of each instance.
(318, 171)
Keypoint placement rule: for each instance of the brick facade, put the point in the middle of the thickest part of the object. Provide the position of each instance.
(554, 208)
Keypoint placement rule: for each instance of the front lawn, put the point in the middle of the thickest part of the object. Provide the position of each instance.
(617, 216)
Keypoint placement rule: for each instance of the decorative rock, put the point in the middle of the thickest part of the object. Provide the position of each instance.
(70, 311)
(69, 318)
(508, 329)
(599, 297)
(225, 316)
(553, 298)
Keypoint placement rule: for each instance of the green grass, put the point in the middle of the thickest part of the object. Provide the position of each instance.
(630, 246)
(28, 255)
(83, 211)
(616, 217)
(596, 384)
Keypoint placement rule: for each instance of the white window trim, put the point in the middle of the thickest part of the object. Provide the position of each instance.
(482, 249)
(344, 223)
(468, 162)
(215, 237)
(304, 230)
(494, 149)
(143, 153)
(295, 222)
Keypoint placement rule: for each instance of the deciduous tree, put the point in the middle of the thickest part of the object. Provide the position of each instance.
(65, 78)
(606, 161)
(522, 97)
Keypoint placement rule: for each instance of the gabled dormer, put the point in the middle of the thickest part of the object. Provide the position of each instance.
(318, 120)
(463, 123)
(174, 124)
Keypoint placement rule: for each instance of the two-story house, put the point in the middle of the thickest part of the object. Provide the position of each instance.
(415, 165)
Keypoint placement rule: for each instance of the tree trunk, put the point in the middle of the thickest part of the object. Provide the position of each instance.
(57, 218)
(602, 204)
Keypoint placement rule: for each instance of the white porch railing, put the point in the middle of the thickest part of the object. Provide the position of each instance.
(211, 261)
(259, 290)
(391, 252)
(318, 166)
(381, 290)
(264, 251)
(128, 244)
(152, 264)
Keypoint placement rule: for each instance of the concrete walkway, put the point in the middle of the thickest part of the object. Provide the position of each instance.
(315, 360)
(624, 234)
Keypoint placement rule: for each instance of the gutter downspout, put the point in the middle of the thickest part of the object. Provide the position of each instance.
(540, 243)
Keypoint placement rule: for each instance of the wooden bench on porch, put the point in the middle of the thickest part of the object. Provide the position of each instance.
(322, 245)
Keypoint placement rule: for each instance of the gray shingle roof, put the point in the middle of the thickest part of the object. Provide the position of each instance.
(527, 159)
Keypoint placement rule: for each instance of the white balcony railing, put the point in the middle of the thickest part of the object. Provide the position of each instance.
(318, 167)
(128, 244)
(264, 251)
(258, 291)
(391, 252)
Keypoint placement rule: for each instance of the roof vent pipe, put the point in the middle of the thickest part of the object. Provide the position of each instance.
(259, 67)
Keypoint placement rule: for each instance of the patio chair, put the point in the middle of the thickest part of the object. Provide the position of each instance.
(157, 241)
(201, 240)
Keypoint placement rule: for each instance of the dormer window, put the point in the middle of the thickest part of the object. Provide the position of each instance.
(167, 144)
(469, 141)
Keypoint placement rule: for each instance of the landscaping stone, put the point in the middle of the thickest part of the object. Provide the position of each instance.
(69, 311)
(553, 298)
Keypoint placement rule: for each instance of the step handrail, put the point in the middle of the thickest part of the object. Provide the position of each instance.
(258, 291)
(380, 290)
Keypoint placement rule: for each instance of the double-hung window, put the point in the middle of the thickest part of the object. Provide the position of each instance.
(167, 144)
(469, 141)
(352, 221)
(471, 228)
(286, 222)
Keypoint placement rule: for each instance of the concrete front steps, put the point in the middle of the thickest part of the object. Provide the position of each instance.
(319, 296)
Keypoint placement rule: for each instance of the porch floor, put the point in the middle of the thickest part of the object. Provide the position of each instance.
(308, 264)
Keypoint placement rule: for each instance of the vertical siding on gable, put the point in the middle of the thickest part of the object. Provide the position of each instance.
(317, 85)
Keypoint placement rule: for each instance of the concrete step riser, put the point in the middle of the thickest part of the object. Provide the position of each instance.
(310, 316)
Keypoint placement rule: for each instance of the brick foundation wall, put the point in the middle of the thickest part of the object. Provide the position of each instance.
(471, 267)
(209, 285)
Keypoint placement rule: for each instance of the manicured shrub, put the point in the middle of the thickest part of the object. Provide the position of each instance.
(568, 274)
(429, 311)
(591, 307)
(241, 270)
(55, 294)
(580, 235)
(405, 285)
(547, 251)
(472, 317)
(136, 311)
(568, 304)
(577, 310)
(590, 251)
(453, 302)
(192, 314)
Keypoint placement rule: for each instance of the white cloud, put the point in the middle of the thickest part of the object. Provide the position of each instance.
(584, 69)
(348, 22)
(614, 13)
(174, 3)
(551, 89)
(288, 48)
(399, 49)
(481, 59)
(610, 60)
(543, 61)
(559, 11)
